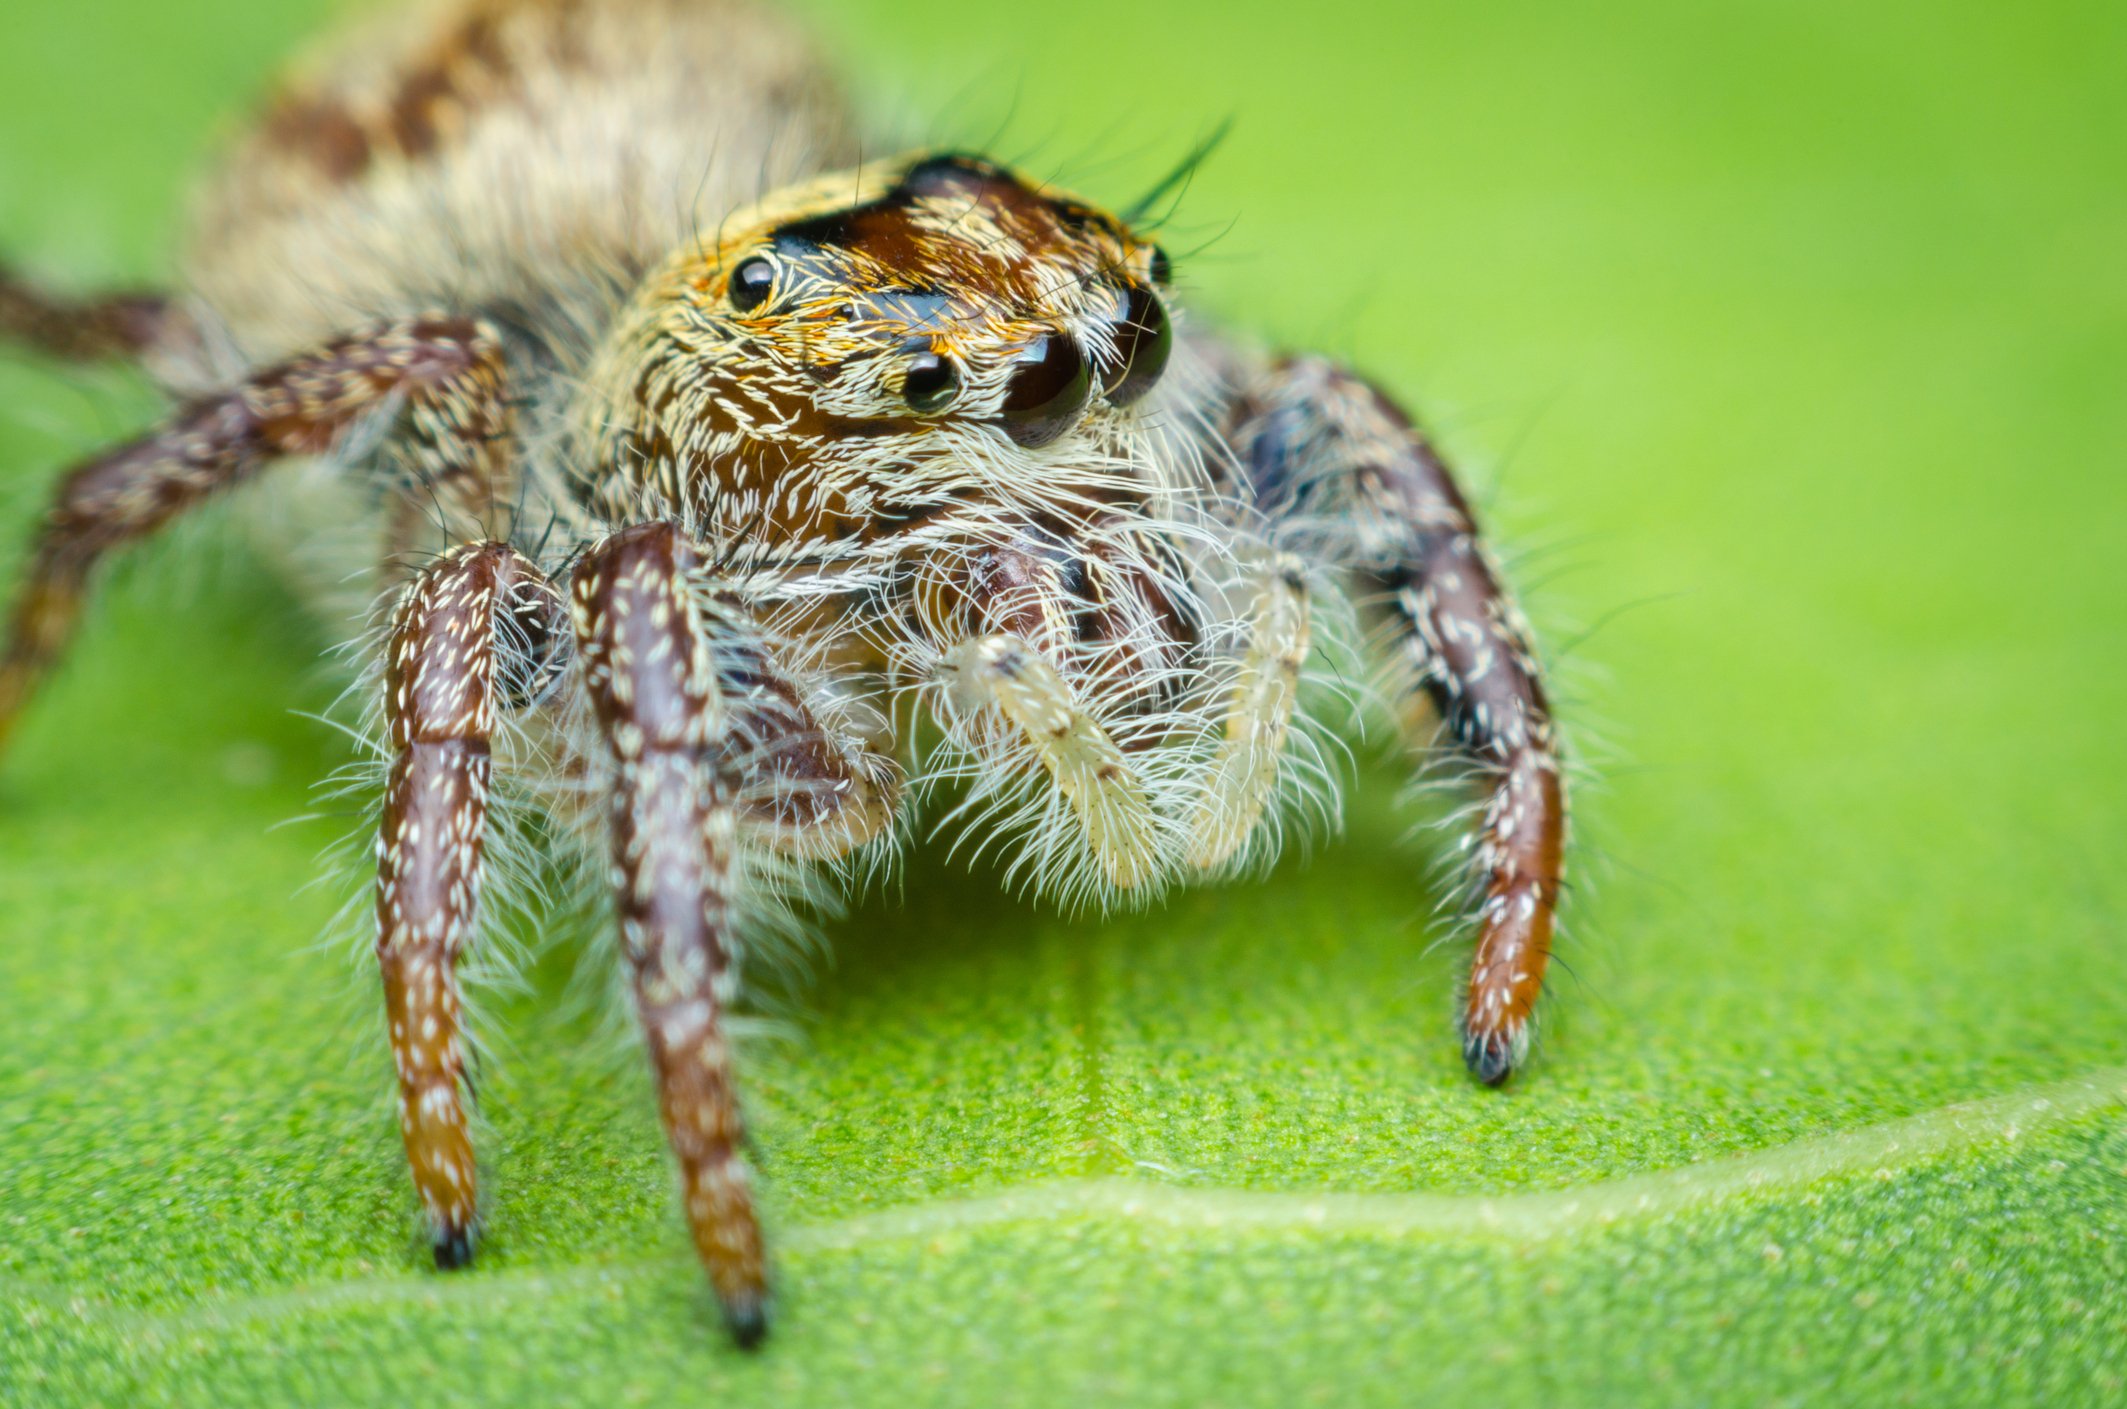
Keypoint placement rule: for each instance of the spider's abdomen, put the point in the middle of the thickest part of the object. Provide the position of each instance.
(522, 159)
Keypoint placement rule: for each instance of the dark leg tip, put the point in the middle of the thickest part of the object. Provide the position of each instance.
(454, 1249)
(1490, 1057)
(746, 1317)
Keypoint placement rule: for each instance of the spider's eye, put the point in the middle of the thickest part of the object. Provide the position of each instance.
(751, 283)
(931, 383)
(1049, 387)
(1162, 271)
(1143, 340)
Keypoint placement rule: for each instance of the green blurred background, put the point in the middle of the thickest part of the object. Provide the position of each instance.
(1784, 342)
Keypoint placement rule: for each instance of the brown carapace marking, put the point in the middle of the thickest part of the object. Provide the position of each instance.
(441, 685)
(449, 369)
(320, 131)
(649, 666)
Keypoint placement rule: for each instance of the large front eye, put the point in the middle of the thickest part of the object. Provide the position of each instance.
(1049, 387)
(1143, 340)
(751, 283)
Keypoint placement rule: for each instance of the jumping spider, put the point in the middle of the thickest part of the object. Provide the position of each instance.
(698, 508)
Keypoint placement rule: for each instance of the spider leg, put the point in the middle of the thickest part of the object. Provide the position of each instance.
(79, 330)
(446, 374)
(1244, 772)
(441, 683)
(709, 751)
(1109, 800)
(1341, 471)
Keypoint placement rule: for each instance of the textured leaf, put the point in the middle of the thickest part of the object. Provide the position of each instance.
(1799, 330)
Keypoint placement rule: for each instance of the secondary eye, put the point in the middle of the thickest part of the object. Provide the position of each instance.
(1162, 271)
(751, 283)
(1143, 340)
(1050, 386)
(931, 382)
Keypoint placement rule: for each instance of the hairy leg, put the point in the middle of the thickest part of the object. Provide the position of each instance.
(1087, 767)
(1258, 715)
(79, 330)
(1341, 471)
(685, 694)
(443, 683)
(446, 373)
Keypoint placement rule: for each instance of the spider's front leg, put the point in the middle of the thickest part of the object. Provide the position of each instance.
(445, 678)
(714, 752)
(444, 374)
(1343, 474)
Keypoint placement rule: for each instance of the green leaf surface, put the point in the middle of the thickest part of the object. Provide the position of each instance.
(1786, 342)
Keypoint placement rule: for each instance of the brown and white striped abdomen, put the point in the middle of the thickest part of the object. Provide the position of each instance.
(525, 158)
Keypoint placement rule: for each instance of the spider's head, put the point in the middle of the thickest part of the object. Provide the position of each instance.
(894, 328)
(945, 290)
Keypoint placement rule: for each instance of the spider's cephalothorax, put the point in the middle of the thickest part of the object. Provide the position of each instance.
(706, 506)
(863, 350)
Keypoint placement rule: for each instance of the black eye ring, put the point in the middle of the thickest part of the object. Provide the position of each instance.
(751, 283)
(931, 383)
